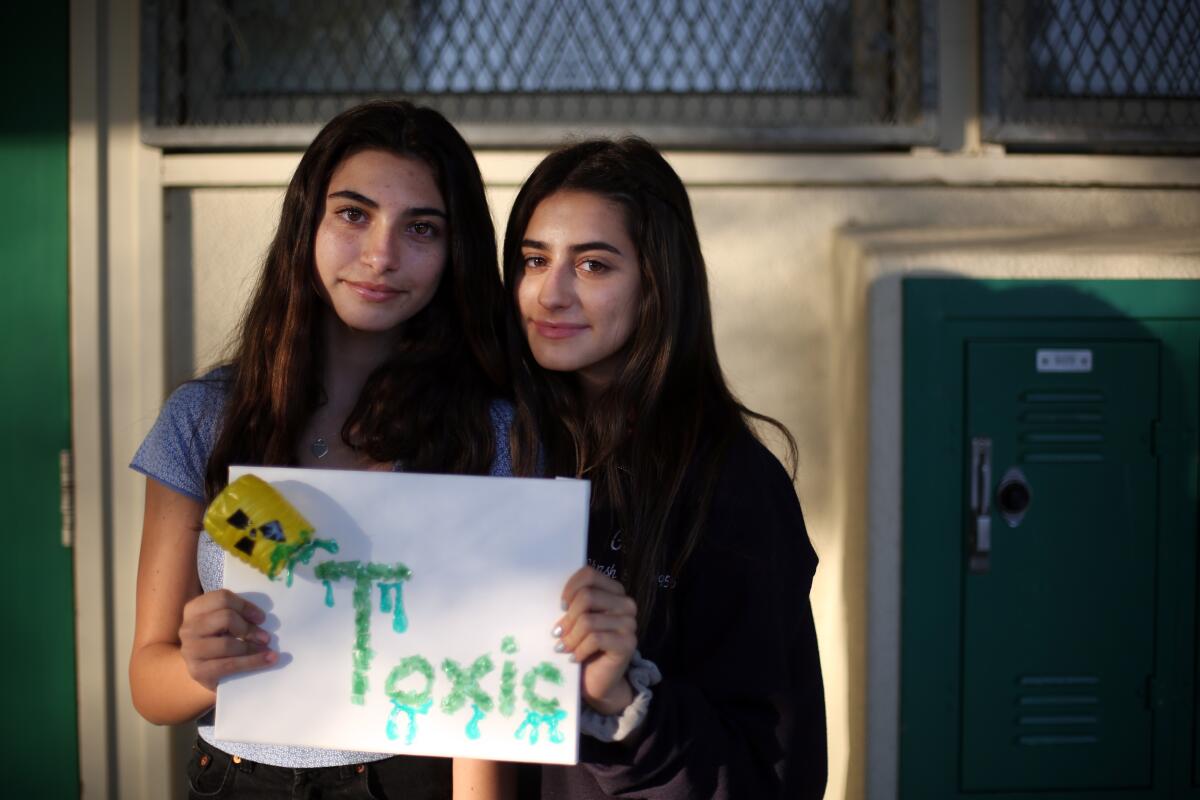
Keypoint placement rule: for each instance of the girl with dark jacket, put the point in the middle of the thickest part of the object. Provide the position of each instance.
(700, 672)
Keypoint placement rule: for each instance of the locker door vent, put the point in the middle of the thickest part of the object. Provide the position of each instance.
(1062, 427)
(1058, 710)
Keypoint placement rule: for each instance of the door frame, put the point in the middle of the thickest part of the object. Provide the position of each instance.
(118, 380)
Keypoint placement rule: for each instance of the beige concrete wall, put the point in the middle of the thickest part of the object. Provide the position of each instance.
(790, 294)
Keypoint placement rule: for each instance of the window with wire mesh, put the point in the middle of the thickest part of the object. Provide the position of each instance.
(685, 72)
(1092, 74)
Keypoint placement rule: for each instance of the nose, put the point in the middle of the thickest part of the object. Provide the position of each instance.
(380, 249)
(557, 289)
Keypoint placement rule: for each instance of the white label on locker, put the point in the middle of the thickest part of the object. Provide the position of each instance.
(1064, 360)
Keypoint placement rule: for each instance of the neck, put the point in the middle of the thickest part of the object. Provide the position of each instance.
(350, 357)
(591, 385)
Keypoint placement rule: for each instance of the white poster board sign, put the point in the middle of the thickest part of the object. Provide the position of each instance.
(428, 630)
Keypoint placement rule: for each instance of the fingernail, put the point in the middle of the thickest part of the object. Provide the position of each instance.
(262, 637)
(563, 605)
(559, 647)
(571, 658)
(557, 632)
(270, 657)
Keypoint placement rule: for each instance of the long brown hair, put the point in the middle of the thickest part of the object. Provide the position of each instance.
(427, 405)
(651, 443)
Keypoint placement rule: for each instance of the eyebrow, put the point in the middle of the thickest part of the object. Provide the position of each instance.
(416, 211)
(575, 248)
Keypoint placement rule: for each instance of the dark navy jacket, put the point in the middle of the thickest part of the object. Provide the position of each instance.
(740, 711)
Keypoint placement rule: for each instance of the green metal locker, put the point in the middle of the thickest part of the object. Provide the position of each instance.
(1049, 558)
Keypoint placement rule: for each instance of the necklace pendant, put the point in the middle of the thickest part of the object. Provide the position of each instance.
(319, 447)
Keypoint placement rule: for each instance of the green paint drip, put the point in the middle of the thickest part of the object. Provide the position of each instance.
(466, 684)
(534, 720)
(549, 673)
(508, 645)
(473, 725)
(328, 593)
(283, 551)
(397, 708)
(363, 575)
(304, 554)
(508, 685)
(391, 598)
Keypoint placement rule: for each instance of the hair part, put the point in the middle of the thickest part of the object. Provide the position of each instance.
(427, 405)
(651, 443)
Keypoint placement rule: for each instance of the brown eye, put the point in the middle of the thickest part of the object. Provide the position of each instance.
(592, 265)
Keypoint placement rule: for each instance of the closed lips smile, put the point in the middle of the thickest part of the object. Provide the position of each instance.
(374, 292)
(557, 330)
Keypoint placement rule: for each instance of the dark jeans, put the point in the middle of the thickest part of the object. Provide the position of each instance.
(214, 773)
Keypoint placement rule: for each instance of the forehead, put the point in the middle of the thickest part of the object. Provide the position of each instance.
(384, 171)
(580, 215)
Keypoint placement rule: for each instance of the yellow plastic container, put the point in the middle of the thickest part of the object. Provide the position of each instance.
(255, 523)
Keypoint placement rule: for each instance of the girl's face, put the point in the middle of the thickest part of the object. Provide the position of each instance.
(382, 240)
(581, 287)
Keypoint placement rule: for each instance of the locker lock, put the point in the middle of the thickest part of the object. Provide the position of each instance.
(1013, 497)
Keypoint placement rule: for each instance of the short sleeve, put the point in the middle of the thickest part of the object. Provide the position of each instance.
(175, 452)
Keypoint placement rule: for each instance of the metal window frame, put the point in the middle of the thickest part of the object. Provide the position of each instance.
(906, 77)
(1011, 118)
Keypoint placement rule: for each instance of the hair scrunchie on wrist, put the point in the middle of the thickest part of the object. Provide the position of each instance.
(642, 674)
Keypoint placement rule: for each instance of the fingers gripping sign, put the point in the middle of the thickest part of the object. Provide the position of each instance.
(220, 636)
(599, 630)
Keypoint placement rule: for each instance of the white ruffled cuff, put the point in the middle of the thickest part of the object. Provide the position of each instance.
(642, 674)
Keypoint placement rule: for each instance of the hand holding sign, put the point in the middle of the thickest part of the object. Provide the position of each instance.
(599, 630)
(220, 636)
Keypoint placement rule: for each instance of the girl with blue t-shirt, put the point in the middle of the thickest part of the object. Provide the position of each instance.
(372, 341)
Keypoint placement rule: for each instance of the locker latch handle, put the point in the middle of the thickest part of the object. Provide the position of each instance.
(979, 476)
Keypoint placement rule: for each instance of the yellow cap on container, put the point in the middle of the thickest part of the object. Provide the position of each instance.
(255, 523)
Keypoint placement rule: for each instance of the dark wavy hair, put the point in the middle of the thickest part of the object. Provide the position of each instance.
(651, 443)
(428, 404)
